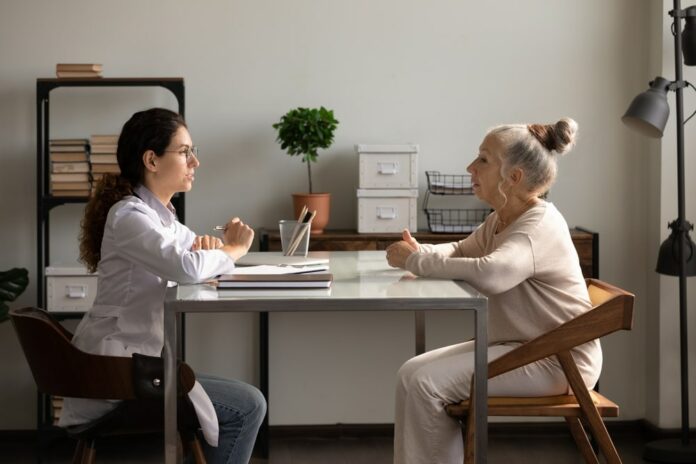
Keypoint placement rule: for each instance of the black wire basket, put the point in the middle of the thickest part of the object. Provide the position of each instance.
(454, 221)
(448, 184)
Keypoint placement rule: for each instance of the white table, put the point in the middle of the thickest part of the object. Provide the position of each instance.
(362, 282)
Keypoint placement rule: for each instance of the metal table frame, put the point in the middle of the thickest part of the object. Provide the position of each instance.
(420, 294)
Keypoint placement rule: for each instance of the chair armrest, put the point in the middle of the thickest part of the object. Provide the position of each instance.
(111, 377)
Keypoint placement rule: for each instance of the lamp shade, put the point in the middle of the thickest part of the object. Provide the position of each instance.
(649, 111)
(668, 258)
(689, 36)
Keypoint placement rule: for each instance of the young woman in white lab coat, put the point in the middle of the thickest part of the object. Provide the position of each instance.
(131, 236)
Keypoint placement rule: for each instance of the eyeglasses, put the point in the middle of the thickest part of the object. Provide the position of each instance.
(188, 152)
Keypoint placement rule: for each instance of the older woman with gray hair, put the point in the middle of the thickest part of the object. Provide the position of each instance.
(523, 259)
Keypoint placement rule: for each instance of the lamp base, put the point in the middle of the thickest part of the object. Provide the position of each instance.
(670, 451)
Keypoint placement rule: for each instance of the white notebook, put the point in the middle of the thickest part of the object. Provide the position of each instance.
(276, 258)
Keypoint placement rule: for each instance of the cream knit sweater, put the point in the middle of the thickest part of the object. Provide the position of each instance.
(530, 273)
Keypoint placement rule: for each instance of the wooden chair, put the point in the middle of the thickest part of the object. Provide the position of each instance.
(612, 311)
(61, 369)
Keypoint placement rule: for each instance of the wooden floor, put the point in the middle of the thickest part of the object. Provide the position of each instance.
(503, 449)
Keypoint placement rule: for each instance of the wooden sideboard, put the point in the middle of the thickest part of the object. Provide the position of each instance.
(586, 243)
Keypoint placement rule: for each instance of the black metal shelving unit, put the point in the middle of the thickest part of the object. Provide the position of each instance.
(45, 202)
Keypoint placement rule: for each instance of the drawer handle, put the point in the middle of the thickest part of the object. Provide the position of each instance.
(76, 291)
(386, 212)
(388, 169)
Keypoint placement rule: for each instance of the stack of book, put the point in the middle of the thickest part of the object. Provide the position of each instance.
(70, 175)
(103, 155)
(79, 70)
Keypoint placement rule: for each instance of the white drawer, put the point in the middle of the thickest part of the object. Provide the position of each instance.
(387, 210)
(388, 166)
(70, 292)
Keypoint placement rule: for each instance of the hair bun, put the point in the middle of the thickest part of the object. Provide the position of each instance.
(559, 137)
(564, 133)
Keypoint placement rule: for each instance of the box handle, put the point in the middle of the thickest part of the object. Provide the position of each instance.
(76, 291)
(388, 168)
(386, 212)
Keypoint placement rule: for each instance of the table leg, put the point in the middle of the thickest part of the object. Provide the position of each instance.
(263, 436)
(169, 355)
(481, 387)
(420, 332)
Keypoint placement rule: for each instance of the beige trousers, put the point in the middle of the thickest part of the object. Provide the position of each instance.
(423, 432)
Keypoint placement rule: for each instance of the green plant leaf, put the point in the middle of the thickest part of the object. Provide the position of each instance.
(302, 131)
(12, 284)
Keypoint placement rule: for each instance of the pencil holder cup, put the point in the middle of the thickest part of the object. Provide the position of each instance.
(294, 237)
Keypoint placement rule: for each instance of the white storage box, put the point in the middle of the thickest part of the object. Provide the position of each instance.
(387, 210)
(388, 166)
(70, 289)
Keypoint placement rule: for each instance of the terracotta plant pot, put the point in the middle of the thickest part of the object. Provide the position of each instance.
(321, 202)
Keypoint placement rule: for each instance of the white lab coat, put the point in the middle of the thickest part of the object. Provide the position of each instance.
(143, 249)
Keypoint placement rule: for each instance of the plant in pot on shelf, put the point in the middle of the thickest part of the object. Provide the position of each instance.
(12, 284)
(303, 131)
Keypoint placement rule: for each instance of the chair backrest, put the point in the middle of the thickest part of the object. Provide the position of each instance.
(59, 368)
(612, 311)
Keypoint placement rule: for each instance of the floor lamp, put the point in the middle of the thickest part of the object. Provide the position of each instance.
(648, 114)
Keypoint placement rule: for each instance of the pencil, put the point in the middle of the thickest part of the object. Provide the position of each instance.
(296, 229)
(306, 222)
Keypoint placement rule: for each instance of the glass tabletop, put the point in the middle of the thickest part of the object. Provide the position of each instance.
(362, 275)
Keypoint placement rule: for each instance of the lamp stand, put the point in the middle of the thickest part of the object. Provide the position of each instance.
(679, 450)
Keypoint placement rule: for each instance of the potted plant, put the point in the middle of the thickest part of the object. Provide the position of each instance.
(12, 284)
(303, 131)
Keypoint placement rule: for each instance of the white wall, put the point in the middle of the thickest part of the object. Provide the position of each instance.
(436, 73)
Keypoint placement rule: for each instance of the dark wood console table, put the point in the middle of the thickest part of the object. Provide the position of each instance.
(586, 242)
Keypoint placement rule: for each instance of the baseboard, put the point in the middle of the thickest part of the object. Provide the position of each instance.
(637, 428)
(634, 428)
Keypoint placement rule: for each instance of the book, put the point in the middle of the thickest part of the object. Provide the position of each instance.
(311, 280)
(105, 167)
(78, 166)
(69, 177)
(67, 148)
(77, 75)
(57, 142)
(89, 67)
(277, 259)
(103, 158)
(110, 139)
(71, 185)
(102, 148)
(69, 156)
(273, 292)
(71, 193)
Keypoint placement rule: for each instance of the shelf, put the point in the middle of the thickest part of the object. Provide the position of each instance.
(45, 201)
(171, 83)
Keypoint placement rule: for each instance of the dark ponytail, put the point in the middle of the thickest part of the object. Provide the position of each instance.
(152, 129)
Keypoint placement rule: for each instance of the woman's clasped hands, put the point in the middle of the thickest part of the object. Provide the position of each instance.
(398, 253)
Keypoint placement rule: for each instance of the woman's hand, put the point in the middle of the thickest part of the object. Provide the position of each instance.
(238, 238)
(398, 253)
(206, 242)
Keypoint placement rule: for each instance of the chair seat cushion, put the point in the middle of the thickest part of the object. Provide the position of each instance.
(550, 406)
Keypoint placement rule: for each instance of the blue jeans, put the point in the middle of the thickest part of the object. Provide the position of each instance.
(240, 409)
